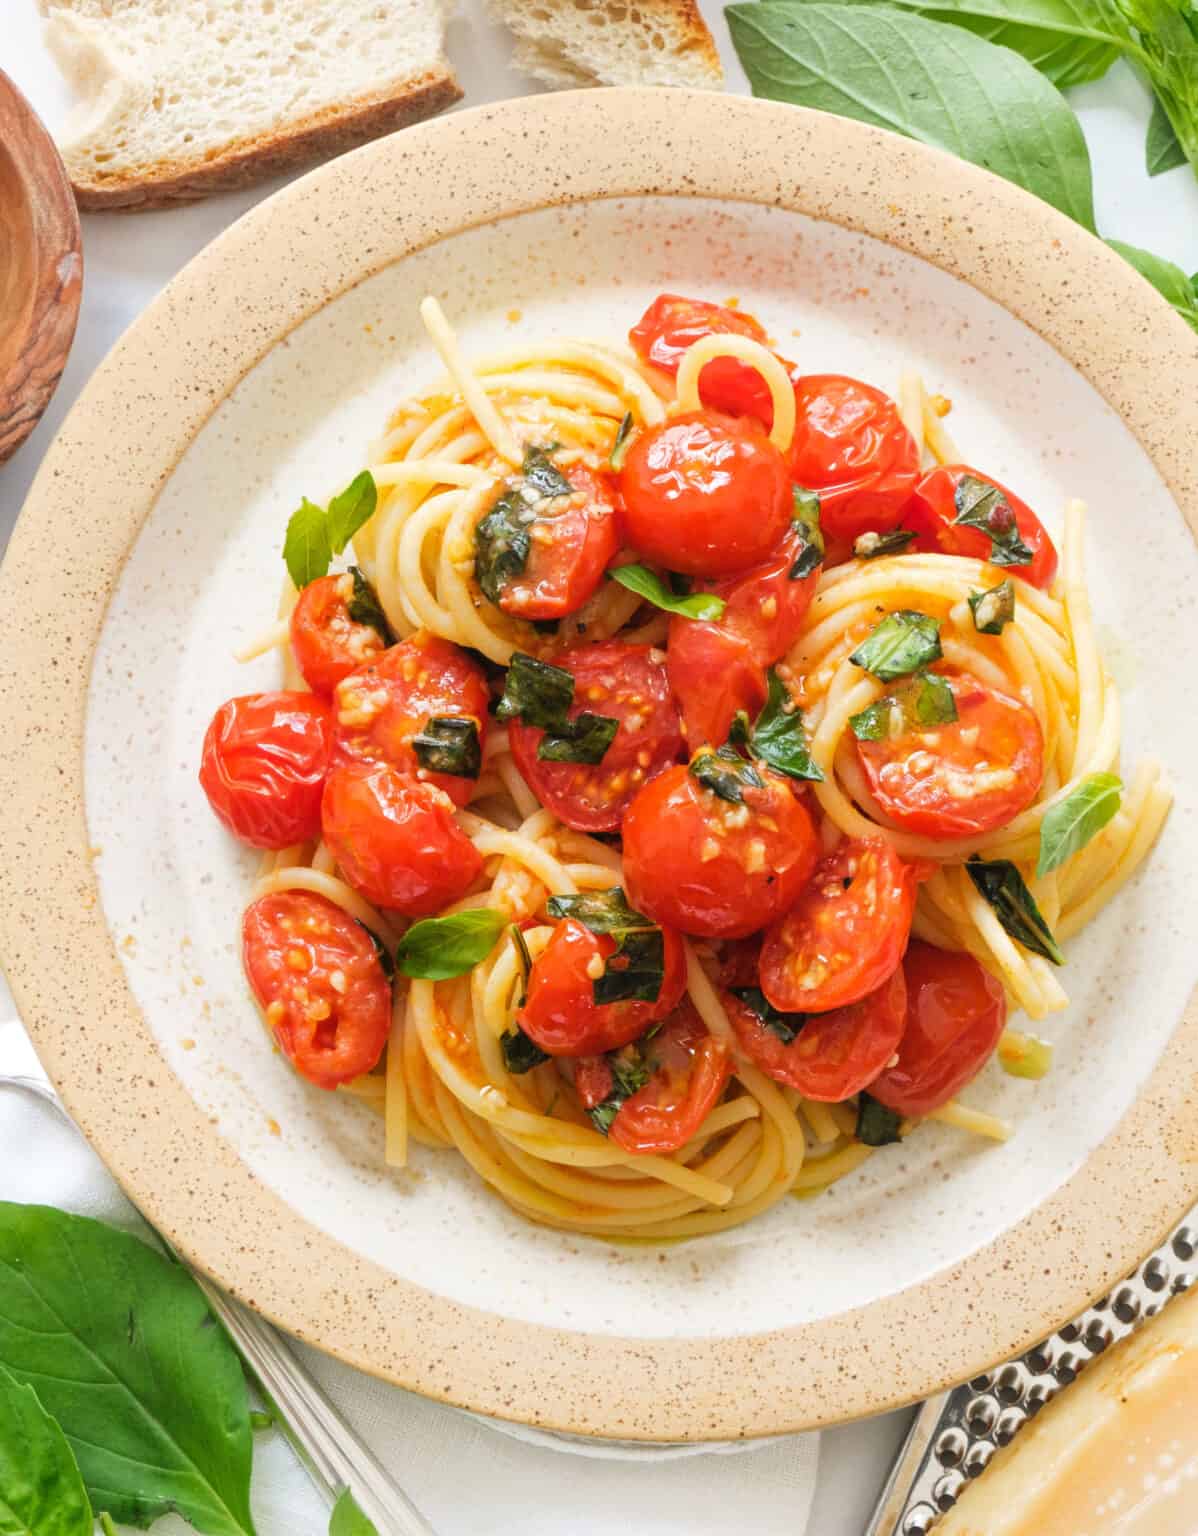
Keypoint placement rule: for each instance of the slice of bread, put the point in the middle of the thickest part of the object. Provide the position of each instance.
(612, 42)
(179, 98)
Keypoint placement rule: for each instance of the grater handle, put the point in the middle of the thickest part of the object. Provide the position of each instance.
(896, 1491)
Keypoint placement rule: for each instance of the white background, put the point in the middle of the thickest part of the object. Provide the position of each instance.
(129, 258)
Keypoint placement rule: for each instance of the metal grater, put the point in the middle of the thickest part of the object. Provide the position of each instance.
(956, 1433)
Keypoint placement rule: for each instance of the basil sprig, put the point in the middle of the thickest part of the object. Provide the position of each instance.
(541, 695)
(785, 1025)
(449, 744)
(439, 948)
(502, 539)
(1000, 882)
(877, 1126)
(806, 519)
(983, 506)
(778, 736)
(994, 608)
(725, 772)
(1070, 824)
(315, 534)
(649, 585)
(924, 700)
(634, 972)
(872, 545)
(629, 1074)
(904, 642)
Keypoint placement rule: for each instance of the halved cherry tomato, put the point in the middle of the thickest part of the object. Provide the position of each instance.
(705, 494)
(395, 838)
(573, 542)
(968, 777)
(714, 673)
(629, 683)
(851, 446)
(956, 1012)
(561, 1014)
(317, 978)
(835, 1054)
(712, 867)
(671, 326)
(328, 644)
(380, 707)
(846, 933)
(932, 511)
(263, 766)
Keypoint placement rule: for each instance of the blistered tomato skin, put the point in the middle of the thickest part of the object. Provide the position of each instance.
(715, 674)
(932, 512)
(691, 1069)
(671, 326)
(573, 543)
(326, 642)
(263, 766)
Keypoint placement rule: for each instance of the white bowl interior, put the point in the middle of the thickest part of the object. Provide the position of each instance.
(203, 577)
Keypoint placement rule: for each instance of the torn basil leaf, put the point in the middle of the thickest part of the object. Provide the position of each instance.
(1070, 824)
(1000, 882)
(629, 1074)
(725, 773)
(585, 739)
(351, 509)
(778, 737)
(502, 541)
(983, 506)
(932, 700)
(619, 449)
(536, 692)
(306, 548)
(904, 642)
(649, 585)
(806, 519)
(877, 1126)
(542, 476)
(449, 744)
(439, 948)
(993, 608)
(785, 1025)
(872, 546)
(364, 607)
(636, 969)
(521, 1053)
(924, 700)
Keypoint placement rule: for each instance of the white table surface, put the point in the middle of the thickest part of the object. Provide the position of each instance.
(128, 258)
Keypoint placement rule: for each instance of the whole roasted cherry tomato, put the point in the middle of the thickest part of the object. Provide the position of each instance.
(956, 1012)
(263, 766)
(395, 839)
(328, 643)
(671, 326)
(947, 491)
(573, 541)
(316, 975)
(705, 494)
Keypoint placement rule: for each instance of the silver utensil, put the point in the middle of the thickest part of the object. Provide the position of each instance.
(329, 1450)
(956, 1433)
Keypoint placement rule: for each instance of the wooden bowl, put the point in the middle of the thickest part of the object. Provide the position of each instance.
(41, 268)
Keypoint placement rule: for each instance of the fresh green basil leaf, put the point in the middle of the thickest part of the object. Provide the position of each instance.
(904, 642)
(872, 546)
(585, 739)
(994, 608)
(649, 585)
(521, 1053)
(536, 692)
(348, 1520)
(41, 1491)
(351, 509)
(502, 543)
(629, 1074)
(1070, 824)
(806, 519)
(1168, 280)
(600, 911)
(924, 700)
(619, 449)
(779, 736)
(877, 1126)
(725, 773)
(785, 1025)
(542, 478)
(873, 723)
(932, 700)
(365, 608)
(120, 1345)
(1003, 886)
(1166, 49)
(449, 744)
(637, 966)
(983, 506)
(439, 948)
(1162, 151)
(306, 548)
(892, 68)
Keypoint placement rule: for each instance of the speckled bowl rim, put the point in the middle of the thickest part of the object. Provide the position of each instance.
(99, 481)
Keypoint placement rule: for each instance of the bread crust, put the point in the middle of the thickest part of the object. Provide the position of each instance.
(242, 162)
(683, 18)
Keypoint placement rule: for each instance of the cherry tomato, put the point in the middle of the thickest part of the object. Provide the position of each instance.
(708, 866)
(629, 683)
(317, 978)
(705, 494)
(395, 839)
(573, 543)
(931, 515)
(846, 933)
(382, 706)
(328, 644)
(956, 1012)
(561, 1014)
(835, 1054)
(671, 326)
(714, 673)
(851, 446)
(263, 766)
(968, 777)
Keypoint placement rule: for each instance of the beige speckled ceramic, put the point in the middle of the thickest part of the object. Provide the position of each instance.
(93, 608)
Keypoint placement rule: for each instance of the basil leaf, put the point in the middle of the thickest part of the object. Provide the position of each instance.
(439, 948)
(725, 773)
(994, 608)
(541, 475)
(449, 744)
(41, 1491)
(353, 507)
(806, 519)
(872, 546)
(983, 506)
(348, 1520)
(1003, 886)
(629, 1074)
(537, 692)
(877, 1126)
(779, 737)
(521, 1053)
(524, 957)
(937, 83)
(902, 643)
(636, 968)
(585, 739)
(933, 700)
(1166, 48)
(502, 544)
(925, 700)
(1168, 280)
(306, 548)
(1162, 151)
(619, 449)
(600, 911)
(365, 608)
(122, 1350)
(649, 585)
(1070, 824)
(785, 1025)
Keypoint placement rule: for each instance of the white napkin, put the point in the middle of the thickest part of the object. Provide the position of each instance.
(468, 1478)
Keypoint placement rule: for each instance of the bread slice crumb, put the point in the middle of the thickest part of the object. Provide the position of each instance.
(612, 42)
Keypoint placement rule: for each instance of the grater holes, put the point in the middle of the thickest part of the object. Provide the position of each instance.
(951, 1448)
(1098, 1335)
(1037, 1395)
(980, 1414)
(983, 1382)
(948, 1490)
(978, 1457)
(1181, 1283)
(1009, 1384)
(1126, 1306)
(919, 1520)
(1185, 1243)
(1156, 1274)
(1011, 1421)
(1040, 1358)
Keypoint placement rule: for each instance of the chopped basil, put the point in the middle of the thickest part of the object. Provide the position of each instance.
(725, 773)
(525, 959)
(1070, 824)
(785, 1025)
(904, 642)
(983, 506)
(636, 969)
(449, 744)
(315, 534)
(585, 739)
(541, 474)
(806, 520)
(1014, 905)
(502, 541)
(629, 1074)
(521, 1053)
(619, 449)
(778, 737)
(872, 546)
(924, 700)
(365, 608)
(993, 608)
(649, 585)
(440, 948)
(536, 691)
(1021, 1055)
(932, 699)
(877, 1126)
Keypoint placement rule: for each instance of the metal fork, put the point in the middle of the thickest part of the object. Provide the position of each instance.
(329, 1450)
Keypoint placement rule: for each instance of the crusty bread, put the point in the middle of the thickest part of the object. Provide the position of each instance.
(612, 42)
(179, 98)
